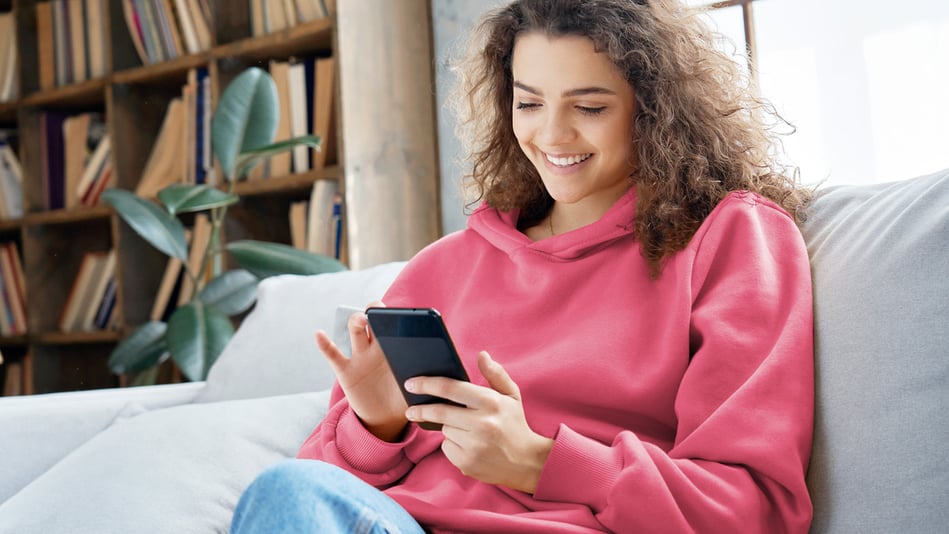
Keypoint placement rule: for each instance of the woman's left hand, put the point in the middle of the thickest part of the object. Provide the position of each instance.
(488, 438)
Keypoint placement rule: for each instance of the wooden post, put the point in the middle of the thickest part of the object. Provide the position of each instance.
(388, 129)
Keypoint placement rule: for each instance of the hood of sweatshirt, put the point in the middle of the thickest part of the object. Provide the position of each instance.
(500, 230)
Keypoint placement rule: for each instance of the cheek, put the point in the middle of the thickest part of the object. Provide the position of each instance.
(522, 133)
(520, 129)
(617, 140)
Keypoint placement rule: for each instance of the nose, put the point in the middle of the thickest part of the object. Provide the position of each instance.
(556, 129)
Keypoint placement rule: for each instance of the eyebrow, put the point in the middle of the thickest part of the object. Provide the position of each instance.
(580, 91)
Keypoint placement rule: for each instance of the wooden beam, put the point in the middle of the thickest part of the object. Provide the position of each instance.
(389, 131)
(730, 3)
(751, 46)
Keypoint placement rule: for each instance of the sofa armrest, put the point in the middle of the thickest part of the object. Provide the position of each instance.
(39, 430)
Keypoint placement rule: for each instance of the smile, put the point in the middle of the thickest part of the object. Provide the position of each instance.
(566, 161)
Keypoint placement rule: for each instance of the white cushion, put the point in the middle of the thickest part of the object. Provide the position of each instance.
(274, 351)
(39, 430)
(174, 470)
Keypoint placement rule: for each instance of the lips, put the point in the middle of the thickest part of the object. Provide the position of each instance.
(567, 160)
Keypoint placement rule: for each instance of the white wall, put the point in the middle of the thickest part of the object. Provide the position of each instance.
(452, 20)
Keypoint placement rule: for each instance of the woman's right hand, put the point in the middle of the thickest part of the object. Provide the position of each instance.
(366, 379)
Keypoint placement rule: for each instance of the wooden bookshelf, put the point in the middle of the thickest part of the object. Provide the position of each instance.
(384, 161)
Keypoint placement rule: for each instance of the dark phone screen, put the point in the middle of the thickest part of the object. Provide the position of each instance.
(416, 343)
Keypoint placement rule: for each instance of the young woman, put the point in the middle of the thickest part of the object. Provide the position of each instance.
(632, 300)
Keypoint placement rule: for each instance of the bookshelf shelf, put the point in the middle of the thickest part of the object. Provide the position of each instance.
(84, 93)
(149, 73)
(13, 341)
(132, 96)
(75, 338)
(8, 111)
(68, 216)
(306, 37)
(292, 182)
(10, 225)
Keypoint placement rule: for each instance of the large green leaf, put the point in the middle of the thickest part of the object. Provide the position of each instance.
(246, 160)
(184, 198)
(143, 349)
(268, 259)
(155, 225)
(196, 336)
(233, 292)
(245, 117)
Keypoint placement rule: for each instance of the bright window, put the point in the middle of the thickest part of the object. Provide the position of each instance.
(865, 83)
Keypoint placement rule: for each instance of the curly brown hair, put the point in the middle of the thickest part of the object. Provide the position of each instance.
(700, 130)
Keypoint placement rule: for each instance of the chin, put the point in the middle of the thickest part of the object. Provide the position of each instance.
(565, 197)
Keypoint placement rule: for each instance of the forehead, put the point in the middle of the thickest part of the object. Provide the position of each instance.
(562, 62)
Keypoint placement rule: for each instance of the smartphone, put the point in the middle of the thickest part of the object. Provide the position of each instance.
(416, 343)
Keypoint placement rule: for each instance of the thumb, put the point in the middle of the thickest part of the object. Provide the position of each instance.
(497, 377)
(359, 332)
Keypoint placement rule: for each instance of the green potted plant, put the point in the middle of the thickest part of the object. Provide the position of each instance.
(242, 132)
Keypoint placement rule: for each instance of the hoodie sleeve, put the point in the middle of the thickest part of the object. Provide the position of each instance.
(744, 405)
(342, 440)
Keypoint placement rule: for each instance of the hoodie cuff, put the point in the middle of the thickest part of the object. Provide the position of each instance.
(364, 451)
(579, 470)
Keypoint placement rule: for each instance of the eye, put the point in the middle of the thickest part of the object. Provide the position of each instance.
(591, 111)
(527, 106)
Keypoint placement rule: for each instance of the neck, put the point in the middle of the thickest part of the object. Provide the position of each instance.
(564, 217)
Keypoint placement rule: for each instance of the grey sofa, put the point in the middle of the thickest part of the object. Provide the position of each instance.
(175, 458)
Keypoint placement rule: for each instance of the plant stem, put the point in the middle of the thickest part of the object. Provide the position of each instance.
(213, 250)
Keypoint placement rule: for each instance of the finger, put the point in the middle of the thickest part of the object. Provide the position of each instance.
(459, 391)
(454, 453)
(362, 322)
(445, 414)
(329, 349)
(457, 435)
(359, 335)
(496, 376)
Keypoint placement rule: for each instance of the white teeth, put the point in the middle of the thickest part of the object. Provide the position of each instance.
(567, 161)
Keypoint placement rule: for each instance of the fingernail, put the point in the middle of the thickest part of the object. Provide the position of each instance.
(411, 414)
(411, 385)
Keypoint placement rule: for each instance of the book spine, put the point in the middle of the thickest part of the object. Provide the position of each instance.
(19, 283)
(104, 312)
(337, 225)
(200, 137)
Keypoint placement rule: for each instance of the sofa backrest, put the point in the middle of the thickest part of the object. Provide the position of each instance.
(880, 263)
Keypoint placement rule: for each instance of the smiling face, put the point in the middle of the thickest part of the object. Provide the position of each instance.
(573, 118)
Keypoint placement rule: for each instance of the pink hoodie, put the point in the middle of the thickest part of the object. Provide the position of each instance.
(682, 404)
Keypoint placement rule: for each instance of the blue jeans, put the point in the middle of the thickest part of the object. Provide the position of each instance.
(315, 497)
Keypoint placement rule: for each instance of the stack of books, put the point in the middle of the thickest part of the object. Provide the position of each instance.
(70, 40)
(91, 301)
(76, 162)
(317, 225)
(273, 15)
(11, 182)
(305, 89)
(182, 150)
(166, 29)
